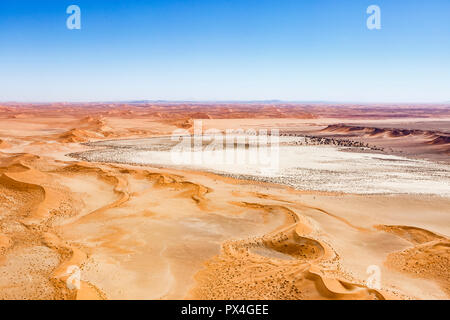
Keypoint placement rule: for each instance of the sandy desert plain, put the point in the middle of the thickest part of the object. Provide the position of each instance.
(362, 198)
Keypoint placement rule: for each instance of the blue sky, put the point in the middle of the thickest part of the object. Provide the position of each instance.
(225, 50)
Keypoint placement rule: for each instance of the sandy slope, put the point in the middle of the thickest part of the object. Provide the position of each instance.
(147, 233)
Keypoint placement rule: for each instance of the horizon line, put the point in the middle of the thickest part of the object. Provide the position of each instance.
(264, 101)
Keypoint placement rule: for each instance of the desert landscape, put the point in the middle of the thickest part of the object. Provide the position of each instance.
(359, 208)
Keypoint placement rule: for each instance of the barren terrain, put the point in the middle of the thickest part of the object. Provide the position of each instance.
(141, 231)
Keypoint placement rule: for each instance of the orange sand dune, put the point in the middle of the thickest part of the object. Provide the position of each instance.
(432, 137)
(4, 144)
(428, 258)
(414, 142)
(280, 265)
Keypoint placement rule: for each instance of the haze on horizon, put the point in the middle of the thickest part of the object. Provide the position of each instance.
(225, 51)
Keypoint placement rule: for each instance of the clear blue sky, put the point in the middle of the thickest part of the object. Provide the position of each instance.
(225, 50)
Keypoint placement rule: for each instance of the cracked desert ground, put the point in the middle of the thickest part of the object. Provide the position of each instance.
(156, 232)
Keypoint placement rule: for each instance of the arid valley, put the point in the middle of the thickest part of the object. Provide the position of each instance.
(359, 209)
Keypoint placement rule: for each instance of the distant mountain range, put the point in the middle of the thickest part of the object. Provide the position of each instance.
(275, 101)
